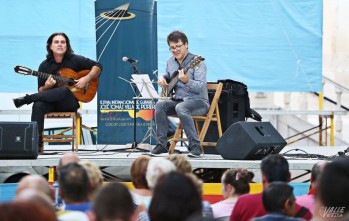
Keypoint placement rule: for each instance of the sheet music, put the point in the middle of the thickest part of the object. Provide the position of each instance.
(145, 86)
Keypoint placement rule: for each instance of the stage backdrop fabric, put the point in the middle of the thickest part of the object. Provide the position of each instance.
(270, 45)
(124, 29)
(25, 27)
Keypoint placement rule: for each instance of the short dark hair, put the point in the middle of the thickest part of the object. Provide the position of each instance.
(175, 36)
(73, 182)
(69, 51)
(239, 179)
(275, 168)
(275, 196)
(175, 198)
(333, 184)
(112, 202)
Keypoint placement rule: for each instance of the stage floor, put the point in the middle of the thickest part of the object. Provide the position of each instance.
(300, 158)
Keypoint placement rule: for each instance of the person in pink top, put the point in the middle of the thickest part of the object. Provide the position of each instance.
(234, 184)
(308, 200)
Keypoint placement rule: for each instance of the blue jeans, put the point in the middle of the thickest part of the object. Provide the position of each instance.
(184, 110)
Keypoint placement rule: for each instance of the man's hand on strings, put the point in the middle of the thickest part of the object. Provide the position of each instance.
(80, 83)
(50, 82)
(183, 77)
(162, 82)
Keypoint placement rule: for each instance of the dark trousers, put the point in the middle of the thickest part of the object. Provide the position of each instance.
(59, 99)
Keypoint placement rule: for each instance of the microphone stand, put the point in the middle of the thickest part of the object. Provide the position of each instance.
(134, 144)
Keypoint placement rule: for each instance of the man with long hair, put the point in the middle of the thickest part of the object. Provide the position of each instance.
(50, 97)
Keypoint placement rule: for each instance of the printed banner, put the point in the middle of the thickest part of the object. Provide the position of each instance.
(126, 31)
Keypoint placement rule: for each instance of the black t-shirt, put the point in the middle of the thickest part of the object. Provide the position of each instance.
(74, 62)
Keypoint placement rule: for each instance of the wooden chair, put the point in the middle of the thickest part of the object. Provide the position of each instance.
(212, 115)
(61, 137)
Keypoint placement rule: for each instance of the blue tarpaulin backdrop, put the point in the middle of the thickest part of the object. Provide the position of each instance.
(270, 45)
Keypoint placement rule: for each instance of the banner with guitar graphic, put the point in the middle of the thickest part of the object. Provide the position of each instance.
(124, 29)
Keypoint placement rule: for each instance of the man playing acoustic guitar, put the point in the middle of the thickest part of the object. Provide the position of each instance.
(60, 59)
(190, 94)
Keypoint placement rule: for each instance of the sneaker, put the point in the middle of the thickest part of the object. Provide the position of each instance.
(195, 151)
(159, 149)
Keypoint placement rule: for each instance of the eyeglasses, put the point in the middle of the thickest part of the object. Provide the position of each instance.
(174, 48)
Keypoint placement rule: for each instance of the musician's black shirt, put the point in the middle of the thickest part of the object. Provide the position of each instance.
(75, 62)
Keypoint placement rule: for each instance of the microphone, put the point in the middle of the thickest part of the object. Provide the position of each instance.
(131, 60)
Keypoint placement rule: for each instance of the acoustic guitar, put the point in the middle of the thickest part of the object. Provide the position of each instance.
(67, 77)
(194, 63)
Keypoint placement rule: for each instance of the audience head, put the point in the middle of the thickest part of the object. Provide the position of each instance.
(278, 197)
(175, 197)
(113, 202)
(94, 175)
(316, 171)
(274, 168)
(138, 172)
(34, 181)
(25, 211)
(181, 162)
(236, 182)
(73, 183)
(32, 195)
(157, 167)
(333, 186)
(67, 158)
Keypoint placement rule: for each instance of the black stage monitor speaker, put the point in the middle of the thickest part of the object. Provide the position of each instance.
(18, 140)
(250, 141)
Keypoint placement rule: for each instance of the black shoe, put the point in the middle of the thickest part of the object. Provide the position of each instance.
(195, 151)
(159, 149)
(19, 102)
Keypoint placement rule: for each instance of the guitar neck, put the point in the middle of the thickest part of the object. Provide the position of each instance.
(57, 78)
(175, 79)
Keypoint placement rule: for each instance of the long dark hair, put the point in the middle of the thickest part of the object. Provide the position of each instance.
(69, 51)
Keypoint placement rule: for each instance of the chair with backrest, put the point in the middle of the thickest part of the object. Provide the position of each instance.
(211, 116)
(62, 137)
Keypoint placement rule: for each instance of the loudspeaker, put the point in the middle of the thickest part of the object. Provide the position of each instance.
(250, 141)
(18, 140)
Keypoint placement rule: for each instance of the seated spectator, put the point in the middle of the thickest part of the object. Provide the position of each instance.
(181, 162)
(141, 193)
(34, 181)
(113, 202)
(94, 176)
(234, 184)
(273, 168)
(25, 211)
(207, 212)
(175, 198)
(73, 188)
(332, 196)
(308, 200)
(156, 168)
(36, 196)
(67, 158)
(279, 202)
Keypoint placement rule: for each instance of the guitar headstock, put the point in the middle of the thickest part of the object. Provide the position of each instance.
(23, 70)
(196, 61)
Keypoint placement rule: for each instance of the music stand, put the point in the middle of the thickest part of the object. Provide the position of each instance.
(148, 92)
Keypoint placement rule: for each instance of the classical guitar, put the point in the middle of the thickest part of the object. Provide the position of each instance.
(194, 63)
(66, 77)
